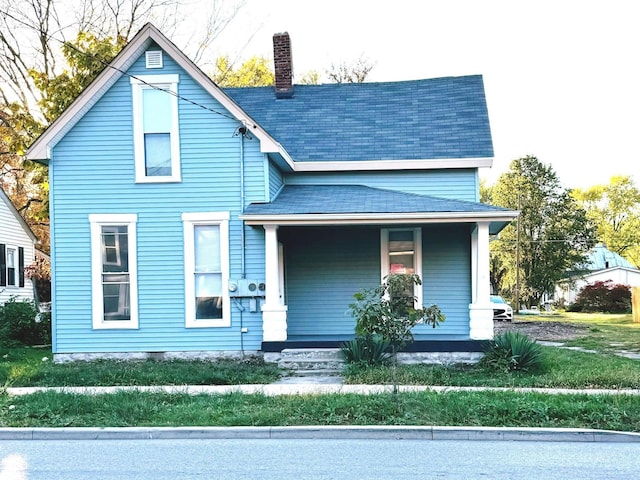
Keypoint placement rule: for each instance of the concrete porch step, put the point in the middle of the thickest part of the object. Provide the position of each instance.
(303, 361)
(314, 353)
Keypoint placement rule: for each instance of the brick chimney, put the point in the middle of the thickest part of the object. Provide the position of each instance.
(283, 65)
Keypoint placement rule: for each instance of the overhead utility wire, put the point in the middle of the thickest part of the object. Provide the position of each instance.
(127, 74)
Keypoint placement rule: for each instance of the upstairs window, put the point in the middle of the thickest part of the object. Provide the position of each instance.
(155, 128)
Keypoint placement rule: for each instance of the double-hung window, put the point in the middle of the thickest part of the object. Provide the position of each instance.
(206, 259)
(11, 266)
(114, 271)
(155, 128)
(401, 253)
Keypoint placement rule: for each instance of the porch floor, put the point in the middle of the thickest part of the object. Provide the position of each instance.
(442, 345)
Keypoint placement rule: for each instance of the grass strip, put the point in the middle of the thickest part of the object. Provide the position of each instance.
(500, 409)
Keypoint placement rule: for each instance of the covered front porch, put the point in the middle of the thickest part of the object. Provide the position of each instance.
(316, 262)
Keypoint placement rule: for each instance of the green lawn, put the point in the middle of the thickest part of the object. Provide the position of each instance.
(561, 368)
(33, 367)
(607, 332)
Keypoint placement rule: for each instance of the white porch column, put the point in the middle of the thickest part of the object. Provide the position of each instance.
(274, 314)
(480, 311)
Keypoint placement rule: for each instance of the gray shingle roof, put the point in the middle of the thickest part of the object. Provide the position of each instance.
(420, 119)
(358, 199)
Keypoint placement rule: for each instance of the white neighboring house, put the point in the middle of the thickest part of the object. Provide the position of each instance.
(17, 250)
(602, 265)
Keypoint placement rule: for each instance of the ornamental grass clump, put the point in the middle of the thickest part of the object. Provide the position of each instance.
(367, 350)
(513, 351)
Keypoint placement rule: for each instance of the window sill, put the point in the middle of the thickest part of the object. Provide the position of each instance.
(221, 323)
(159, 180)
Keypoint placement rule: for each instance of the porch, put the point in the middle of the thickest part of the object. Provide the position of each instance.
(316, 262)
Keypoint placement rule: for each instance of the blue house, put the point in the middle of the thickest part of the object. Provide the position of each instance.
(194, 220)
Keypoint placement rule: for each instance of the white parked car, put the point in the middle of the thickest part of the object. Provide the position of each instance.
(502, 311)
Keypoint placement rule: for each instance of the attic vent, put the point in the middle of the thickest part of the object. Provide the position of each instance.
(154, 59)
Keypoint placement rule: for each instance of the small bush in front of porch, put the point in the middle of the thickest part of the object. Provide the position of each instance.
(388, 310)
(367, 351)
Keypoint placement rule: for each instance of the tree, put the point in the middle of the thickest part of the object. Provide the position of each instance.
(551, 236)
(41, 72)
(354, 72)
(85, 58)
(312, 77)
(615, 211)
(388, 310)
(32, 31)
(255, 72)
(26, 183)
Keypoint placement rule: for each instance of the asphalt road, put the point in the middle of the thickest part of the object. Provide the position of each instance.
(299, 459)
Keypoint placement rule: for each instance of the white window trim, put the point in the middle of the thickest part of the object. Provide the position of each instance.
(16, 267)
(417, 258)
(189, 221)
(165, 82)
(97, 221)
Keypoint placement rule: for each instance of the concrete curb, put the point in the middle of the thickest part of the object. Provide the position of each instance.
(305, 389)
(322, 432)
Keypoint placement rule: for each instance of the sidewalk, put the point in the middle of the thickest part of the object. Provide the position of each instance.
(308, 386)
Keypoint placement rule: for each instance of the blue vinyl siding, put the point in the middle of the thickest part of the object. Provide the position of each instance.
(94, 173)
(325, 267)
(276, 180)
(446, 277)
(457, 184)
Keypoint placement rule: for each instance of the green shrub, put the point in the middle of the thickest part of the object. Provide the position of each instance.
(388, 310)
(603, 296)
(513, 351)
(367, 350)
(21, 324)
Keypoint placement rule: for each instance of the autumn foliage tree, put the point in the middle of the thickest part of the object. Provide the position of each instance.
(50, 50)
(255, 72)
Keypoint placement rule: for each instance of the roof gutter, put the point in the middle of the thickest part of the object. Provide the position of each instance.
(367, 165)
(378, 218)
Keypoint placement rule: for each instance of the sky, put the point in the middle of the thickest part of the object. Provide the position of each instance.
(561, 76)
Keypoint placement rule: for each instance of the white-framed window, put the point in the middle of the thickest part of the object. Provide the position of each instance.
(11, 266)
(114, 270)
(156, 134)
(206, 263)
(401, 252)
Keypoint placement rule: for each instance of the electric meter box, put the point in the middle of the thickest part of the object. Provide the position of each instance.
(246, 288)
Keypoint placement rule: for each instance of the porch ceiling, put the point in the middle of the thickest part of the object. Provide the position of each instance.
(357, 204)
